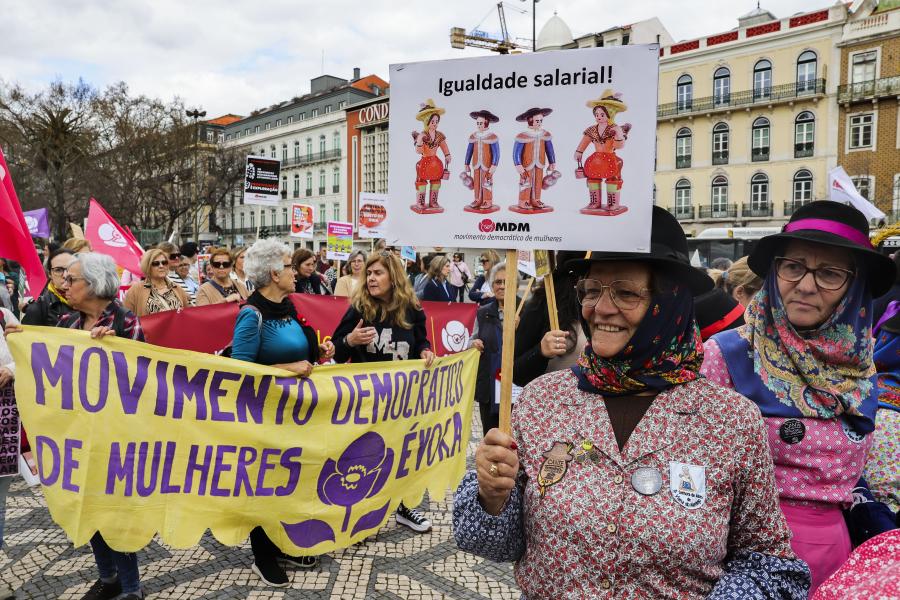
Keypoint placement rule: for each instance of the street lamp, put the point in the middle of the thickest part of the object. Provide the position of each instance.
(533, 24)
(195, 114)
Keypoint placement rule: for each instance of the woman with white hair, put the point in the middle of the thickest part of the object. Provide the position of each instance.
(269, 331)
(91, 284)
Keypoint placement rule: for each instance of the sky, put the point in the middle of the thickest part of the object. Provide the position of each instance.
(225, 56)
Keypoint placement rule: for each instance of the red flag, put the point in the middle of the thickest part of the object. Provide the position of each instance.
(210, 328)
(108, 237)
(15, 242)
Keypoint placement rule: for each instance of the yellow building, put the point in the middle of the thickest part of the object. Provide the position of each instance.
(747, 120)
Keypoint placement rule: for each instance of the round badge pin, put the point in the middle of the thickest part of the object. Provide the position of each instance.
(646, 481)
(792, 431)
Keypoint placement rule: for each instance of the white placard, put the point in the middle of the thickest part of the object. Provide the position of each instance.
(372, 216)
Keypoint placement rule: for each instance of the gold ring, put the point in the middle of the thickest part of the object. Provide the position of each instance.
(494, 470)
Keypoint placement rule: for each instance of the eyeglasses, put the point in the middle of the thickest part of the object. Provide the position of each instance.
(826, 278)
(291, 267)
(220, 264)
(484, 260)
(175, 256)
(159, 263)
(626, 295)
(58, 270)
(69, 279)
(498, 282)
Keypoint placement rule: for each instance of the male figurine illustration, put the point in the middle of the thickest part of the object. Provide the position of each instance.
(532, 153)
(603, 166)
(430, 170)
(482, 158)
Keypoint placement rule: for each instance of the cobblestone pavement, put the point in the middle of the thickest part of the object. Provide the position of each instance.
(40, 562)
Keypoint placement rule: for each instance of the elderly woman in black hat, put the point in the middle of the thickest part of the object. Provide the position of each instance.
(805, 357)
(630, 475)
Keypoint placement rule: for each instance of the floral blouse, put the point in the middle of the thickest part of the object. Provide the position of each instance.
(687, 509)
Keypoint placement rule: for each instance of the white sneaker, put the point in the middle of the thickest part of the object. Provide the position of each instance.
(412, 518)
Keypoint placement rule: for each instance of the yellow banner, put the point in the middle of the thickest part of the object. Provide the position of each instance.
(134, 439)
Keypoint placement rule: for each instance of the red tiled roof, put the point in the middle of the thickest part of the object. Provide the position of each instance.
(225, 120)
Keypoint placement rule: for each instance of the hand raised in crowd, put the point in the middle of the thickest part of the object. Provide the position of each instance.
(497, 465)
(554, 343)
(428, 357)
(6, 376)
(360, 336)
(326, 350)
(101, 332)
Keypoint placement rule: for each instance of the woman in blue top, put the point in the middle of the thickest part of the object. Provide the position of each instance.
(268, 331)
(438, 289)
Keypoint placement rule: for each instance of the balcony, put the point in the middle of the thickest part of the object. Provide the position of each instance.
(296, 193)
(869, 90)
(759, 154)
(756, 210)
(683, 162)
(308, 192)
(792, 205)
(309, 159)
(721, 211)
(682, 213)
(804, 150)
(770, 95)
(335, 189)
(321, 190)
(720, 158)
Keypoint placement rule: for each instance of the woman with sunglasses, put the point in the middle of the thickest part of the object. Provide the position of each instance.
(156, 293)
(630, 475)
(221, 288)
(47, 308)
(805, 357)
(481, 292)
(174, 254)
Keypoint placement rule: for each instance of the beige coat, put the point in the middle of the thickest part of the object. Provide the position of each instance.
(208, 294)
(137, 295)
(346, 285)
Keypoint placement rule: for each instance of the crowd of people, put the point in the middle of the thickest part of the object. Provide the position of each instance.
(730, 432)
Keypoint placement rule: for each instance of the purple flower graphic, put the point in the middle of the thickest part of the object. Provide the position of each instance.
(360, 473)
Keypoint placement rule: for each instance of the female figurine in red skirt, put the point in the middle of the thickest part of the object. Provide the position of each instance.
(430, 170)
(603, 164)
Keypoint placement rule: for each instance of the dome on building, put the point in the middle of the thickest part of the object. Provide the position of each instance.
(756, 16)
(554, 34)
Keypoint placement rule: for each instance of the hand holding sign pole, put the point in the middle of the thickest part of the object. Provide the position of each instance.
(509, 342)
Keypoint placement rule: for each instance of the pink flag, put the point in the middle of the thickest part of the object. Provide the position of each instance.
(16, 243)
(108, 237)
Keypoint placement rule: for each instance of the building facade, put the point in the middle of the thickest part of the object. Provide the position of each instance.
(868, 98)
(367, 148)
(747, 120)
(308, 135)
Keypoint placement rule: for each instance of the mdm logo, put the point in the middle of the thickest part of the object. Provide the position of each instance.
(488, 226)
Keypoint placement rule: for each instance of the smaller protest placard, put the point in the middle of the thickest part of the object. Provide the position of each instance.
(261, 181)
(526, 262)
(541, 263)
(372, 216)
(408, 253)
(38, 222)
(339, 240)
(202, 262)
(9, 430)
(302, 219)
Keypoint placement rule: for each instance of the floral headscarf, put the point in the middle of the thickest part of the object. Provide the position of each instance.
(823, 373)
(665, 351)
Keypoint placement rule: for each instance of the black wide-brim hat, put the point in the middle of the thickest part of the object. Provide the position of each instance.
(833, 224)
(485, 114)
(668, 250)
(531, 112)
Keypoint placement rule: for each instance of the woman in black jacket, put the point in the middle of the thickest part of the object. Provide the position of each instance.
(47, 308)
(309, 281)
(479, 293)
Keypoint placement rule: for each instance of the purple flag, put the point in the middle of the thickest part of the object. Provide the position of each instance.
(38, 223)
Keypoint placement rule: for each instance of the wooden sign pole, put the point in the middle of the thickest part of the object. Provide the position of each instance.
(551, 301)
(524, 298)
(509, 340)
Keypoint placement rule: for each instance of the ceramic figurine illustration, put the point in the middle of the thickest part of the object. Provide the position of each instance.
(482, 158)
(532, 154)
(603, 168)
(430, 171)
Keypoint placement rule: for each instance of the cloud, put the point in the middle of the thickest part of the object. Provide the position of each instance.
(234, 57)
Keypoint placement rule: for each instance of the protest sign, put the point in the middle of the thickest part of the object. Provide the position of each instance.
(408, 253)
(210, 328)
(38, 222)
(339, 240)
(190, 442)
(551, 150)
(373, 215)
(261, 181)
(302, 219)
(9, 432)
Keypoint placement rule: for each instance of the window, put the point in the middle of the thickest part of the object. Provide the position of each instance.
(247, 131)
(342, 104)
(309, 183)
(210, 136)
(296, 149)
(284, 217)
(272, 151)
(802, 187)
(336, 212)
(262, 219)
(302, 116)
(290, 119)
(336, 141)
(722, 86)
(720, 144)
(327, 108)
(806, 72)
(322, 145)
(762, 80)
(252, 219)
(322, 215)
(864, 65)
(760, 148)
(684, 93)
(864, 185)
(284, 152)
(268, 126)
(759, 193)
(336, 180)
(719, 195)
(861, 130)
(256, 129)
(314, 113)
(683, 143)
(804, 134)
(321, 181)
(221, 137)
(296, 186)
(228, 136)
(682, 196)
(308, 148)
(242, 220)
(284, 183)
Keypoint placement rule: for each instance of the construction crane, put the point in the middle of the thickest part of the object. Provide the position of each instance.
(479, 39)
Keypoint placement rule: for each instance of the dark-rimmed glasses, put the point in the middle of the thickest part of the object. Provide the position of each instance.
(220, 264)
(57, 270)
(70, 280)
(826, 278)
(159, 263)
(626, 295)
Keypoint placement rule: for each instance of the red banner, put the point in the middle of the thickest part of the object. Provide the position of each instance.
(210, 328)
